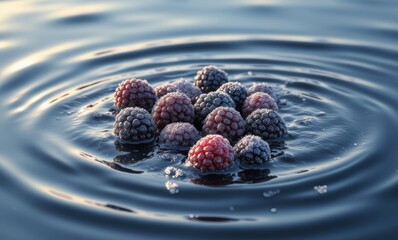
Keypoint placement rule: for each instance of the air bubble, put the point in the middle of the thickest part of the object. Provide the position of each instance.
(172, 187)
(321, 189)
(271, 193)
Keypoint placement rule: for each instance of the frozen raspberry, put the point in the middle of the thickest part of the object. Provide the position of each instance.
(164, 89)
(179, 135)
(211, 153)
(173, 107)
(134, 124)
(252, 151)
(210, 78)
(266, 124)
(225, 121)
(257, 101)
(188, 89)
(210, 101)
(135, 93)
(236, 91)
(261, 87)
(182, 86)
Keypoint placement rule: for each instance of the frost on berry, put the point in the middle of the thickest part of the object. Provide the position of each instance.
(252, 151)
(178, 135)
(257, 101)
(261, 87)
(134, 93)
(236, 91)
(210, 78)
(266, 124)
(210, 101)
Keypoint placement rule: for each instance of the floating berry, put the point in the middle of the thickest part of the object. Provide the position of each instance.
(188, 89)
(173, 107)
(134, 124)
(257, 101)
(210, 78)
(236, 91)
(178, 135)
(252, 151)
(266, 124)
(135, 93)
(261, 87)
(210, 101)
(225, 121)
(211, 153)
(165, 88)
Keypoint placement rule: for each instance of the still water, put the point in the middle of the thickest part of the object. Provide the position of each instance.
(333, 63)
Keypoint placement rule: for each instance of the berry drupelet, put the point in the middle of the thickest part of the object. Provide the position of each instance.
(257, 101)
(134, 93)
(225, 121)
(173, 107)
(164, 89)
(266, 124)
(236, 91)
(252, 151)
(210, 78)
(134, 124)
(178, 135)
(211, 153)
(188, 89)
(210, 101)
(261, 87)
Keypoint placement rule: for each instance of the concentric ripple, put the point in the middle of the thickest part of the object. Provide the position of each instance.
(62, 115)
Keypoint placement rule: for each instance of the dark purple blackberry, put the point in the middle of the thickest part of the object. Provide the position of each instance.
(257, 101)
(266, 124)
(188, 89)
(252, 151)
(135, 93)
(236, 91)
(261, 87)
(134, 124)
(173, 107)
(164, 89)
(210, 101)
(226, 122)
(210, 78)
(178, 135)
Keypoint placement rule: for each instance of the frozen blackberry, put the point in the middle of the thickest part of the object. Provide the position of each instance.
(261, 87)
(134, 124)
(211, 153)
(236, 91)
(252, 151)
(210, 101)
(164, 89)
(210, 78)
(188, 89)
(257, 101)
(179, 135)
(135, 93)
(225, 121)
(173, 107)
(266, 124)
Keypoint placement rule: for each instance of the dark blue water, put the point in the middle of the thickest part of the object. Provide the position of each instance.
(334, 64)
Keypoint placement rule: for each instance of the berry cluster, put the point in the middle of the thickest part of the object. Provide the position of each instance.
(171, 108)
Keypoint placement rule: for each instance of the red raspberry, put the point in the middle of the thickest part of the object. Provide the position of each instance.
(211, 153)
(173, 107)
(135, 93)
(257, 101)
(225, 121)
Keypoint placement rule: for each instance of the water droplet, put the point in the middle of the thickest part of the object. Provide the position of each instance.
(274, 210)
(250, 73)
(321, 189)
(271, 193)
(355, 144)
(172, 187)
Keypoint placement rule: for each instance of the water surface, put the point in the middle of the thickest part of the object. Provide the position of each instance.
(63, 175)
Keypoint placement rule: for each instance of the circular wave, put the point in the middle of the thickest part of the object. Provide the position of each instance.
(337, 120)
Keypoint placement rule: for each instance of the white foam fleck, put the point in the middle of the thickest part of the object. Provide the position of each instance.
(173, 172)
(172, 187)
(274, 210)
(250, 73)
(321, 189)
(271, 193)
